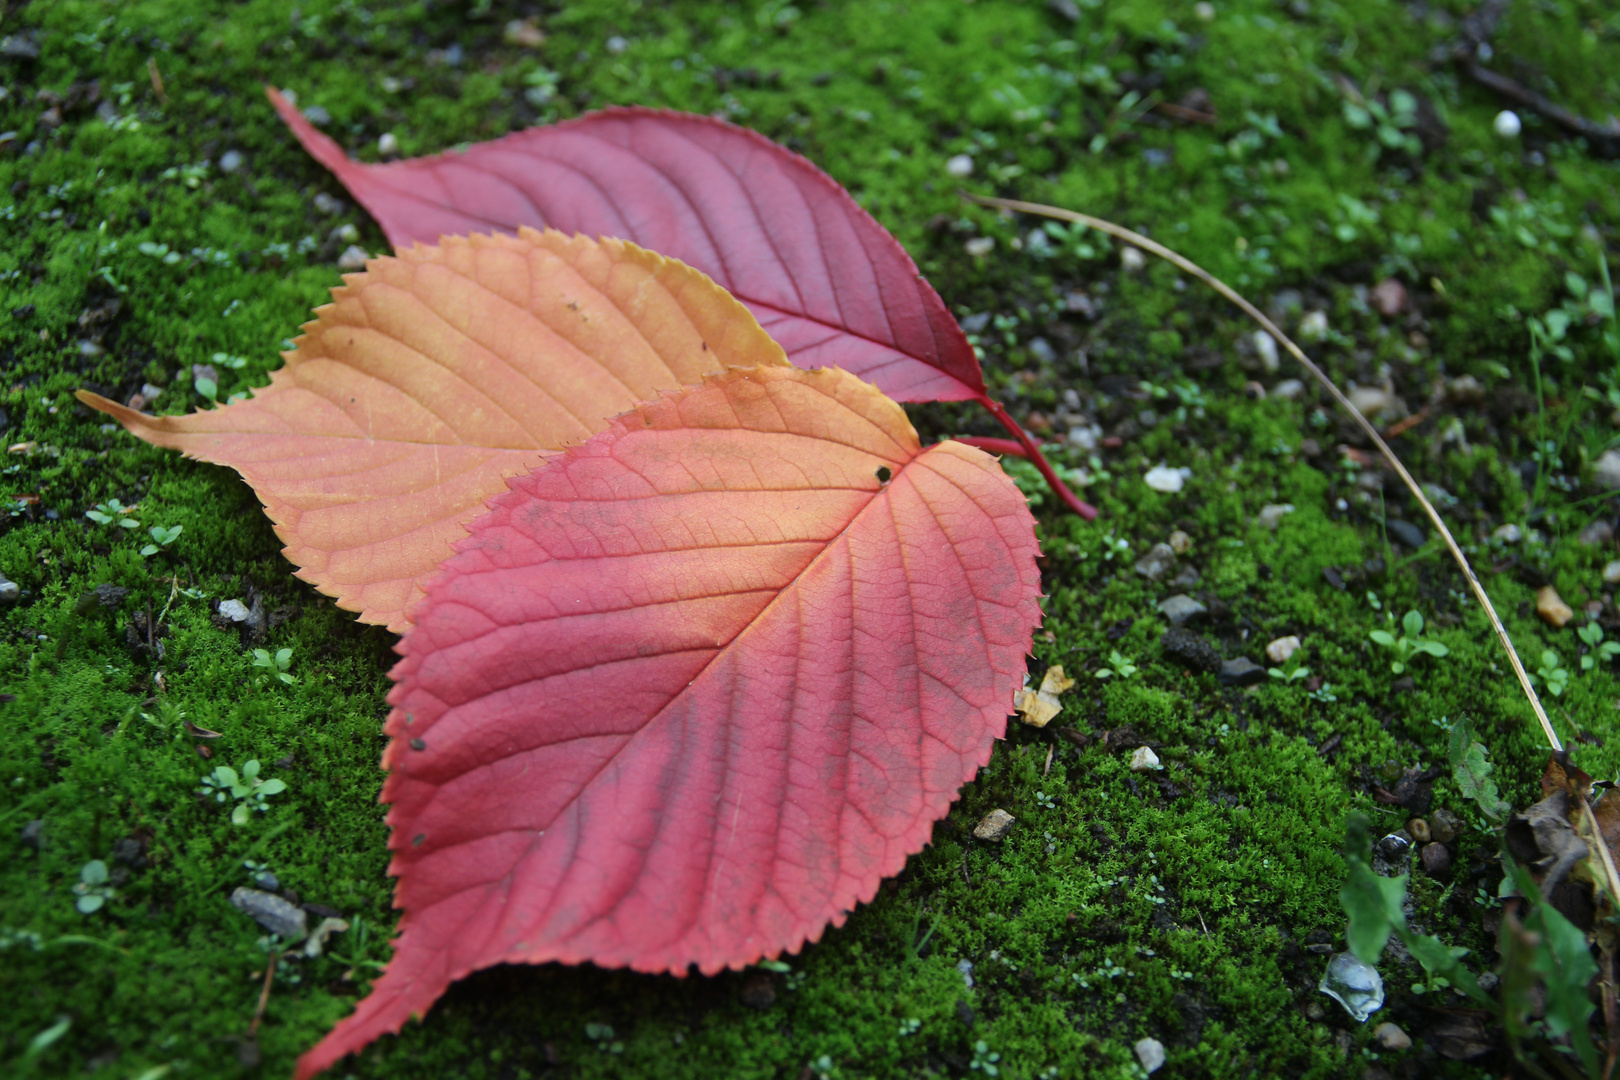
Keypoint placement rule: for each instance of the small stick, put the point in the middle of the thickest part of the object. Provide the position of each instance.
(157, 79)
(1049, 752)
(1188, 266)
(264, 993)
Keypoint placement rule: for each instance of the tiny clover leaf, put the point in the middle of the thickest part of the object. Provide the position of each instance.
(1597, 651)
(1553, 673)
(161, 538)
(1410, 644)
(250, 792)
(92, 889)
(276, 665)
(1119, 664)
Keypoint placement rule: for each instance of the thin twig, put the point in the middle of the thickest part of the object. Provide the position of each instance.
(1188, 266)
(264, 993)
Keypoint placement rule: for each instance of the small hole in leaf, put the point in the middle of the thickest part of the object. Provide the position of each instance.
(883, 474)
(416, 841)
(418, 744)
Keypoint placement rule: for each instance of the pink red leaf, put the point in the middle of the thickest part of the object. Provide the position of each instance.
(435, 375)
(690, 690)
(821, 275)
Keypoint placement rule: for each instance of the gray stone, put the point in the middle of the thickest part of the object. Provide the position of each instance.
(1597, 533)
(1150, 1052)
(1180, 608)
(19, 47)
(230, 161)
(1436, 859)
(353, 259)
(1288, 389)
(1041, 351)
(317, 116)
(1355, 985)
(1159, 558)
(1444, 826)
(33, 834)
(1404, 532)
(276, 915)
(1611, 572)
(1390, 1037)
(10, 591)
(1508, 534)
(1606, 470)
(1242, 672)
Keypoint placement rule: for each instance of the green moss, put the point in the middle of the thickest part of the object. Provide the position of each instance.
(1178, 904)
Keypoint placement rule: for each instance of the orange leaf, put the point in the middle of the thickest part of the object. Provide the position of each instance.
(437, 374)
(688, 692)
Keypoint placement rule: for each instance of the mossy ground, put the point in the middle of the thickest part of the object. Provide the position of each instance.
(1176, 905)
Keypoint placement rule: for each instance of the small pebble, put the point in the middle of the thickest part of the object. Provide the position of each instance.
(1041, 351)
(10, 591)
(1143, 759)
(1150, 1052)
(980, 246)
(524, 33)
(1444, 826)
(326, 204)
(234, 610)
(1190, 649)
(1508, 534)
(33, 834)
(387, 144)
(317, 116)
(1272, 513)
(617, 45)
(353, 259)
(1288, 389)
(1389, 297)
(1131, 259)
(1596, 534)
(1551, 607)
(1390, 1037)
(1158, 559)
(1404, 532)
(1371, 400)
(1314, 326)
(230, 161)
(1280, 650)
(1466, 390)
(1204, 10)
(994, 825)
(1163, 478)
(272, 912)
(1079, 303)
(1179, 608)
(1241, 671)
(1606, 470)
(1180, 542)
(1265, 346)
(1419, 830)
(1611, 572)
(1436, 859)
(1507, 124)
(960, 166)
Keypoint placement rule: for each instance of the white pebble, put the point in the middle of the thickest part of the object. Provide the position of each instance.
(1143, 759)
(1131, 259)
(1288, 389)
(1204, 10)
(1266, 346)
(1163, 478)
(387, 144)
(959, 166)
(230, 161)
(234, 610)
(1280, 650)
(980, 246)
(353, 259)
(1314, 326)
(1507, 124)
(1272, 513)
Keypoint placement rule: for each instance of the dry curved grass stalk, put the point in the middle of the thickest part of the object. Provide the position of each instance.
(1188, 266)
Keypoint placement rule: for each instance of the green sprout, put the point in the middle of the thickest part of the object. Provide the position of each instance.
(984, 1061)
(1553, 673)
(1599, 651)
(1118, 665)
(1407, 647)
(1291, 671)
(92, 889)
(277, 664)
(602, 1036)
(248, 790)
(161, 538)
(110, 511)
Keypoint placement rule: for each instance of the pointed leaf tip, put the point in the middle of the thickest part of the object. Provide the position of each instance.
(438, 373)
(752, 639)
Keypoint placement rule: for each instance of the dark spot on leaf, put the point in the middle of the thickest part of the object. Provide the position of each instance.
(416, 841)
(883, 474)
(418, 744)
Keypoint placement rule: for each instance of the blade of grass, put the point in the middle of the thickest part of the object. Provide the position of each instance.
(1188, 266)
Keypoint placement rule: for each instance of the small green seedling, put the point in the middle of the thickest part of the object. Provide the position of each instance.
(161, 538)
(1291, 671)
(113, 511)
(602, 1036)
(1119, 665)
(1045, 801)
(249, 791)
(1407, 647)
(277, 664)
(92, 890)
(910, 1026)
(1553, 673)
(1598, 650)
(984, 1060)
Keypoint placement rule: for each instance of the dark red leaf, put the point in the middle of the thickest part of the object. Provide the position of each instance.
(821, 275)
